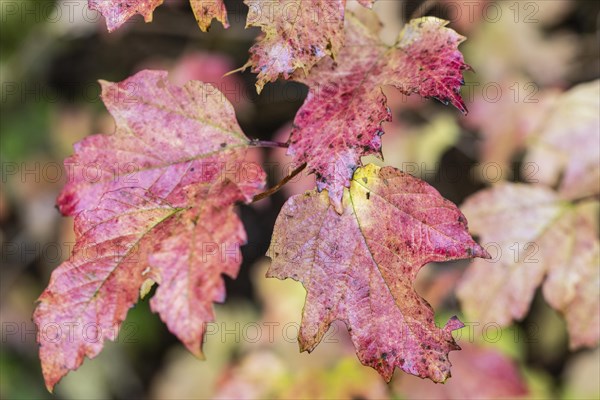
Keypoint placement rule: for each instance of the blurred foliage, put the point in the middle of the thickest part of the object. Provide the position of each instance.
(50, 62)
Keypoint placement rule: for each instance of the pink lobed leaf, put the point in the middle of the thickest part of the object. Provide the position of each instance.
(117, 12)
(158, 205)
(341, 118)
(206, 10)
(359, 267)
(296, 34)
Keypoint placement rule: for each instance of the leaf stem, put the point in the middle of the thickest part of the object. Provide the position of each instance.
(578, 200)
(423, 9)
(267, 143)
(279, 185)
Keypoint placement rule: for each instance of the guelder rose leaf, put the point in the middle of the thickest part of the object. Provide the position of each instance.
(117, 12)
(204, 243)
(296, 34)
(167, 137)
(153, 201)
(89, 295)
(206, 10)
(341, 118)
(426, 60)
(532, 233)
(359, 267)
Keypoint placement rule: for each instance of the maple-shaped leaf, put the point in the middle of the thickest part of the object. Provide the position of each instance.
(295, 34)
(154, 201)
(206, 10)
(359, 267)
(567, 143)
(531, 233)
(117, 12)
(341, 118)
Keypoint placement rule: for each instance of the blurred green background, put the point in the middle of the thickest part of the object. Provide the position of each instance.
(53, 53)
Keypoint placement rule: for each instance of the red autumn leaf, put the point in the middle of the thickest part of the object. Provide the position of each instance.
(296, 34)
(341, 119)
(158, 204)
(117, 12)
(206, 10)
(533, 233)
(359, 267)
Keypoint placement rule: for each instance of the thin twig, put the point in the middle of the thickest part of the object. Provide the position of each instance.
(583, 199)
(279, 185)
(267, 143)
(423, 9)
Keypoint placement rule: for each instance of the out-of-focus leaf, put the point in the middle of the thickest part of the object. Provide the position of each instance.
(568, 143)
(531, 232)
(514, 42)
(477, 373)
(581, 376)
(505, 120)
